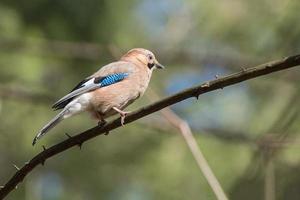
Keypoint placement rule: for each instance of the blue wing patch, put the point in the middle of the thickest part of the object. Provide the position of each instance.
(88, 85)
(111, 79)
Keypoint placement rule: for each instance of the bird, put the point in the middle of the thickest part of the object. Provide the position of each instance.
(108, 91)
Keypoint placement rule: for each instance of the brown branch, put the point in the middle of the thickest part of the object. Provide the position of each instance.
(269, 181)
(76, 140)
(201, 161)
(190, 140)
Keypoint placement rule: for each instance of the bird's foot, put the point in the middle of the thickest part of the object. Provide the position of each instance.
(122, 114)
(102, 122)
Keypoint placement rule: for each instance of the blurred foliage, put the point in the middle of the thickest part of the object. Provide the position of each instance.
(46, 47)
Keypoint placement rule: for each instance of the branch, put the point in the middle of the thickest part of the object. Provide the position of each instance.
(189, 138)
(76, 140)
(269, 180)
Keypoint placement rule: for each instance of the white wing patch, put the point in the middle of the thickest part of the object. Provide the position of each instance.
(86, 87)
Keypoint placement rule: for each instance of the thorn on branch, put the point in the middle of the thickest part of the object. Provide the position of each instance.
(291, 58)
(205, 85)
(1, 186)
(16, 167)
(268, 65)
(287, 58)
(43, 161)
(196, 95)
(69, 136)
(80, 145)
(16, 187)
(217, 76)
(26, 163)
(106, 133)
(243, 69)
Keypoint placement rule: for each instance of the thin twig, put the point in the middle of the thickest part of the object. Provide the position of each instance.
(16, 167)
(188, 93)
(189, 138)
(270, 180)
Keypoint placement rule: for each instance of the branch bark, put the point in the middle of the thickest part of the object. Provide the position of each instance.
(206, 87)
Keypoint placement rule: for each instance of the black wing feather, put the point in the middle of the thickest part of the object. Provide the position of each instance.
(103, 81)
(61, 105)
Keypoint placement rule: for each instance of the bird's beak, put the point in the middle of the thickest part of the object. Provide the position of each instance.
(159, 66)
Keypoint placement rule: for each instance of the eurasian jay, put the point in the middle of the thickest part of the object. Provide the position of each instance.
(109, 90)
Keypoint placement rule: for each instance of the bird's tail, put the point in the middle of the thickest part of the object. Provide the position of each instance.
(58, 118)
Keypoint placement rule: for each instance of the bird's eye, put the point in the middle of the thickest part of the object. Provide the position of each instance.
(150, 57)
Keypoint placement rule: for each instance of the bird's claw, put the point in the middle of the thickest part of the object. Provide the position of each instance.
(101, 123)
(123, 115)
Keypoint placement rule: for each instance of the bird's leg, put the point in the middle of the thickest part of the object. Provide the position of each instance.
(122, 114)
(101, 121)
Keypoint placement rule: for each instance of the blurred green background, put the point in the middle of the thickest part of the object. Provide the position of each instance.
(249, 132)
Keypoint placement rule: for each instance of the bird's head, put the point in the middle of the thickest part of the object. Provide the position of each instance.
(142, 57)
